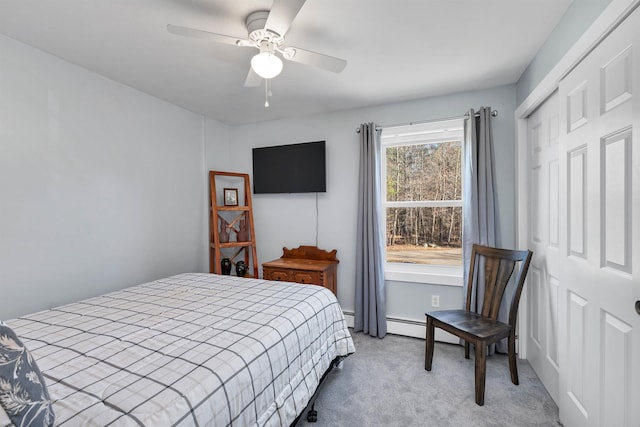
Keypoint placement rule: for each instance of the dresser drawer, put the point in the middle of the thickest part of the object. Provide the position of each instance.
(277, 274)
(308, 277)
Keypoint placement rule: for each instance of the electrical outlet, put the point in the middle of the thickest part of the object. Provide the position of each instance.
(435, 300)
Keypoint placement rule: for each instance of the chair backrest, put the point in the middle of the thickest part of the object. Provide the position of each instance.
(499, 265)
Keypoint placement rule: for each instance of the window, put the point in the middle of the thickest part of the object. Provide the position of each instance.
(422, 201)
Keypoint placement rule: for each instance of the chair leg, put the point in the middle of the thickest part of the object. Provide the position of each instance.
(481, 371)
(428, 353)
(513, 366)
(466, 349)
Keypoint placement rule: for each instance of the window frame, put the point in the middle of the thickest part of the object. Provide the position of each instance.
(431, 132)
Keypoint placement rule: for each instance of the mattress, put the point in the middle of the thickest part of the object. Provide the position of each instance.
(192, 349)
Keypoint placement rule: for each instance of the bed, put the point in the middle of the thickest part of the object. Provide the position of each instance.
(192, 349)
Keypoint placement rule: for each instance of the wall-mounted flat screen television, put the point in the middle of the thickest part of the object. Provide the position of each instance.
(294, 168)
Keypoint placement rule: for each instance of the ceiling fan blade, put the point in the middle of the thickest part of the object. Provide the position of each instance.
(282, 14)
(303, 56)
(204, 35)
(253, 80)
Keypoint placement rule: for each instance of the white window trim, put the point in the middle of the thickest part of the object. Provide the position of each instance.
(440, 131)
(422, 273)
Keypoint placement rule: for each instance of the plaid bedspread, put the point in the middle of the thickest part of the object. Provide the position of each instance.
(193, 349)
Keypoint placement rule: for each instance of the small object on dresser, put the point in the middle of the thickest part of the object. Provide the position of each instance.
(241, 268)
(225, 263)
(224, 234)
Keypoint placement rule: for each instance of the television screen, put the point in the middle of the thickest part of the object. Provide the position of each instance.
(295, 168)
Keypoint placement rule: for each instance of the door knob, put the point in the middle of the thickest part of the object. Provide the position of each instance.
(638, 306)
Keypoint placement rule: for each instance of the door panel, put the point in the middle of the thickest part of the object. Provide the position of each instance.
(554, 212)
(576, 353)
(576, 195)
(552, 326)
(599, 212)
(544, 235)
(617, 362)
(616, 215)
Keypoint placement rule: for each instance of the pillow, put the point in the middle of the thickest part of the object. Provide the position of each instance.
(23, 393)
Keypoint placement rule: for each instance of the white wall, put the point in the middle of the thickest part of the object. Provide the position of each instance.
(217, 137)
(101, 186)
(290, 220)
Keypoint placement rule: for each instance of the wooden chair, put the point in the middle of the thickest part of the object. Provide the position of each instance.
(482, 329)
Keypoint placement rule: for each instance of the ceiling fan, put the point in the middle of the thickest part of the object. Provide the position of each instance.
(266, 31)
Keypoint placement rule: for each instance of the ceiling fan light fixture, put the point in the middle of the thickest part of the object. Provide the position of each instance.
(266, 64)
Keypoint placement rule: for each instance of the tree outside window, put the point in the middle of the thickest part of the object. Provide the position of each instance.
(422, 176)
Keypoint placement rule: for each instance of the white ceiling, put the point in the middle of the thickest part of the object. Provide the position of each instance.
(396, 49)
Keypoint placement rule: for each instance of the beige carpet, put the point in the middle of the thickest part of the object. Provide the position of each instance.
(384, 384)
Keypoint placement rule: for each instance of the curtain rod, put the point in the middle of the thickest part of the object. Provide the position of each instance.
(494, 113)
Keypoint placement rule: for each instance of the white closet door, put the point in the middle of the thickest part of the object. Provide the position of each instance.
(543, 282)
(599, 165)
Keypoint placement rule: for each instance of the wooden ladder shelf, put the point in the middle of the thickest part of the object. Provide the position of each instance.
(234, 222)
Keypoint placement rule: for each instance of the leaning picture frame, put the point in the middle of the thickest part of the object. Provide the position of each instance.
(231, 197)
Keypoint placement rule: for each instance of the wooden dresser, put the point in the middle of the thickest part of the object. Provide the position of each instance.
(304, 264)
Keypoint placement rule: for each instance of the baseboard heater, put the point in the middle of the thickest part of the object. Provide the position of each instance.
(408, 327)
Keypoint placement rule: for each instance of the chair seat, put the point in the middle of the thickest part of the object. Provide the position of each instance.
(471, 323)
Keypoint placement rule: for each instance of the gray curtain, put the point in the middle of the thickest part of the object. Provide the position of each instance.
(370, 306)
(480, 214)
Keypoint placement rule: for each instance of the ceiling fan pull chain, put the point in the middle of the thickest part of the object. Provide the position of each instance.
(266, 93)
